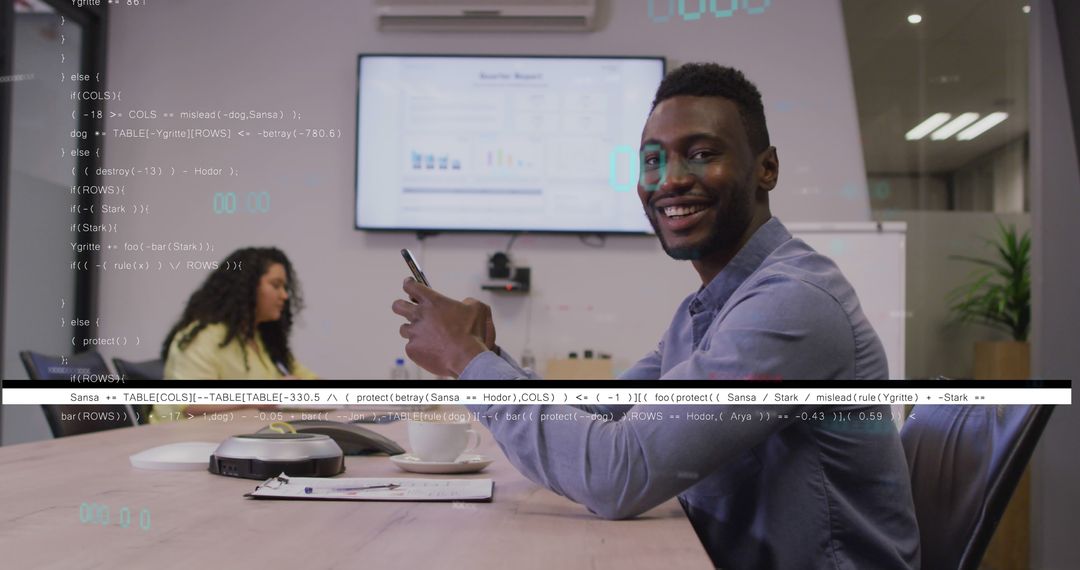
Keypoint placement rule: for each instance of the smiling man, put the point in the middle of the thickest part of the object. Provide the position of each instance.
(785, 493)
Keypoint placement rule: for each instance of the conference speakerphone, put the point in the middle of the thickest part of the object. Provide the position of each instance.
(265, 455)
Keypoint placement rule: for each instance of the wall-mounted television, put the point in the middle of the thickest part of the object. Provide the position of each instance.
(501, 143)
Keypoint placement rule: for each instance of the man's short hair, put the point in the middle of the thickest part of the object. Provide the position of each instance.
(712, 80)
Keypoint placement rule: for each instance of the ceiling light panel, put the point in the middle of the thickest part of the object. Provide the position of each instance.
(954, 126)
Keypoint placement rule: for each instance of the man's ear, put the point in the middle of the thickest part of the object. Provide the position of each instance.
(768, 165)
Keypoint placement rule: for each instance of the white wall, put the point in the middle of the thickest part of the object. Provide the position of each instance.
(38, 241)
(243, 54)
(936, 344)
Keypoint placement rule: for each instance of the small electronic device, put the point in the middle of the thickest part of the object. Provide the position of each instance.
(414, 267)
(353, 439)
(265, 455)
(181, 456)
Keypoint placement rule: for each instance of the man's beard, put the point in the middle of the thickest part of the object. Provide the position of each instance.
(732, 219)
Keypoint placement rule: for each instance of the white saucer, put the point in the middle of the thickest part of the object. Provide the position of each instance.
(464, 464)
(184, 456)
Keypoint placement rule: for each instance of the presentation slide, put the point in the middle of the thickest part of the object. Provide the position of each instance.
(502, 143)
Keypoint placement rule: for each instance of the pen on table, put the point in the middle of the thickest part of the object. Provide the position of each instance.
(310, 490)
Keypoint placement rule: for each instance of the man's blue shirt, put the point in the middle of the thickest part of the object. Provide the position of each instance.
(784, 493)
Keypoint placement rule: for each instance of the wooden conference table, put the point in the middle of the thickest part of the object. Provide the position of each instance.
(200, 520)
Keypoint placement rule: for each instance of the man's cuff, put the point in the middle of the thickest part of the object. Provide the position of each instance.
(489, 366)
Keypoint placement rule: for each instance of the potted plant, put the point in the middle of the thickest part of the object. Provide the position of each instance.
(999, 296)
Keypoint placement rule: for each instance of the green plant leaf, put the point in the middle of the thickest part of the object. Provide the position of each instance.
(999, 296)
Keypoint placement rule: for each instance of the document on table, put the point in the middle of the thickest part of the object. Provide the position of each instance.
(374, 489)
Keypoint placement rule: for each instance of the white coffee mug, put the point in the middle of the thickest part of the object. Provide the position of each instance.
(441, 441)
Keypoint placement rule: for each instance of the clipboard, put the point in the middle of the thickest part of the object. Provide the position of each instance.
(375, 489)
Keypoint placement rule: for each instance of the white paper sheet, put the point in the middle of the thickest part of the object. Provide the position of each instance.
(375, 489)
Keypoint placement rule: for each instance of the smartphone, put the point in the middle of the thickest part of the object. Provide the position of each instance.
(414, 267)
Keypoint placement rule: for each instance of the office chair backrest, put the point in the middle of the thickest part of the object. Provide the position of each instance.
(47, 367)
(965, 462)
(144, 370)
(68, 420)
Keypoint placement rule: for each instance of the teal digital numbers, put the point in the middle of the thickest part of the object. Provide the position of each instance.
(727, 13)
(697, 8)
(100, 515)
(224, 202)
(652, 174)
(661, 19)
(691, 16)
(650, 165)
(258, 202)
(254, 203)
(755, 10)
(613, 168)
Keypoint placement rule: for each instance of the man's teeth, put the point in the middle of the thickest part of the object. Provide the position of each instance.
(677, 211)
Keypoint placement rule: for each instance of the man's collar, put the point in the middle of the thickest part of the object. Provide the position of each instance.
(765, 240)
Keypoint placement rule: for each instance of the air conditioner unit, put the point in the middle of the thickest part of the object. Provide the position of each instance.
(487, 15)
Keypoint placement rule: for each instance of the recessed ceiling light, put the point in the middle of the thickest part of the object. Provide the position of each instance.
(928, 126)
(1026, 9)
(954, 126)
(914, 19)
(984, 124)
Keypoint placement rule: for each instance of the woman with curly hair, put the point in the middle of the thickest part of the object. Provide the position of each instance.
(237, 324)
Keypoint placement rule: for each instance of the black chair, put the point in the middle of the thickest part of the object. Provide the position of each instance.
(142, 370)
(965, 463)
(47, 367)
(66, 420)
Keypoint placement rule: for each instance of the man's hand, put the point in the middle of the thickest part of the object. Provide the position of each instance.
(489, 323)
(444, 335)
